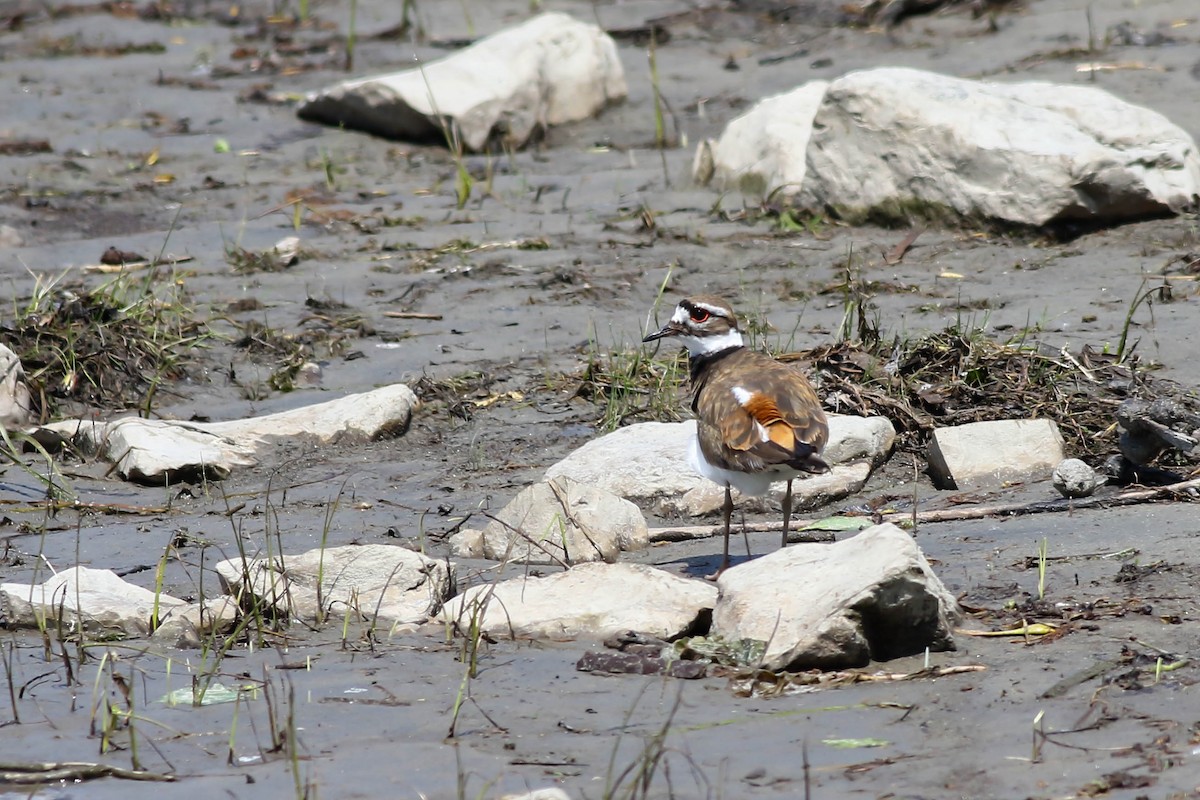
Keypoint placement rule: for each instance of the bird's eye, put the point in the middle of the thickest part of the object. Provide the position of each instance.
(700, 315)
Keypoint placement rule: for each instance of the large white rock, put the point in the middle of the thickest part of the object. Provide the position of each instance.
(96, 599)
(15, 402)
(897, 143)
(639, 462)
(169, 451)
(193, 624)
(765, 148)
(808, 492)
(547, 71)
(591, 601)
(872, 596)
(563, 521)
(375, 582)
(648, 461)
(854, 438)
(986, 454)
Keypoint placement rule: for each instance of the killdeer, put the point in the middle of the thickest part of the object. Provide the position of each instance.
(757, 420)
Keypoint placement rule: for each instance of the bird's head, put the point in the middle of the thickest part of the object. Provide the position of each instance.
(703, 324)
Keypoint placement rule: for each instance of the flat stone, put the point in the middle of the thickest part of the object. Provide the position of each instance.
(988, 454)
(159, 452)
(808, 492)
(378, 583)
(648, 462)
(562, 521)
(898, 144)
(871, 596)
(191, 625)
(15, 402)
(589, 601)
(96, 600)
(550, 70)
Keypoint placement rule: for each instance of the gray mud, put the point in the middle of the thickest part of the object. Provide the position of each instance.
(370, 718)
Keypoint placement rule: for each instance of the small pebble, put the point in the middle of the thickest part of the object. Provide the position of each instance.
(467, 543)
(1074, 478)
(309, 374)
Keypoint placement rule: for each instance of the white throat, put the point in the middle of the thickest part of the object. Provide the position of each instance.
(706, 345)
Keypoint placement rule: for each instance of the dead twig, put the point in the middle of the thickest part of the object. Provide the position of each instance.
(26, 507)
(54, 771)
(130, 266)
(1127, 498)
(411, 315)
(896, 254)
(686, 533)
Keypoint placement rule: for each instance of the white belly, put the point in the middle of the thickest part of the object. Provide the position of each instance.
(753, 483)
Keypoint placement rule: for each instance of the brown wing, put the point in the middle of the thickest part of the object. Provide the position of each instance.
(755, 413)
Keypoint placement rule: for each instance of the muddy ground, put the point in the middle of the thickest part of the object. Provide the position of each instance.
(168, 131)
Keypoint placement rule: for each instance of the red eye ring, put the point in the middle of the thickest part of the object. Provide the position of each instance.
(700, 315)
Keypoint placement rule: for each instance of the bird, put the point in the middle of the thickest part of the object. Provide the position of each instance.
(758, 420)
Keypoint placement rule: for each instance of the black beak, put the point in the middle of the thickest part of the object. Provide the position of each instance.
(670, 329)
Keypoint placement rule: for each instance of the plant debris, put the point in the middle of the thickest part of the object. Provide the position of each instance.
(291, 353)
(764, 683)
(110, 346)
(62, 771)
(632, 385)
(24, 147)
(960, 376)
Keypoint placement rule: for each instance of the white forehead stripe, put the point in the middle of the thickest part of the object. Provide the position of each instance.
(714, 310)
(682, 315)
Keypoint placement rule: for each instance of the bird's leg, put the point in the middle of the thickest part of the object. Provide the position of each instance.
(787, 512)
(727, 513)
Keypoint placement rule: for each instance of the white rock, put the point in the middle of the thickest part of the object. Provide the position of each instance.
(169, 451)
(96, 598)
(285, 253)
(1074, 478)
(376, 582)
(15, 404)
(590, 601)
(547, 71)
(648, 462)
(808, 492)
(638, 462)
(156, 451)
(467, 543)
(892, 141)
(562, 521)
(191, 624)
(761, 150)
(10, 236)
(551, 793)
(854, 438)
(986, 454)
(872, 596)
